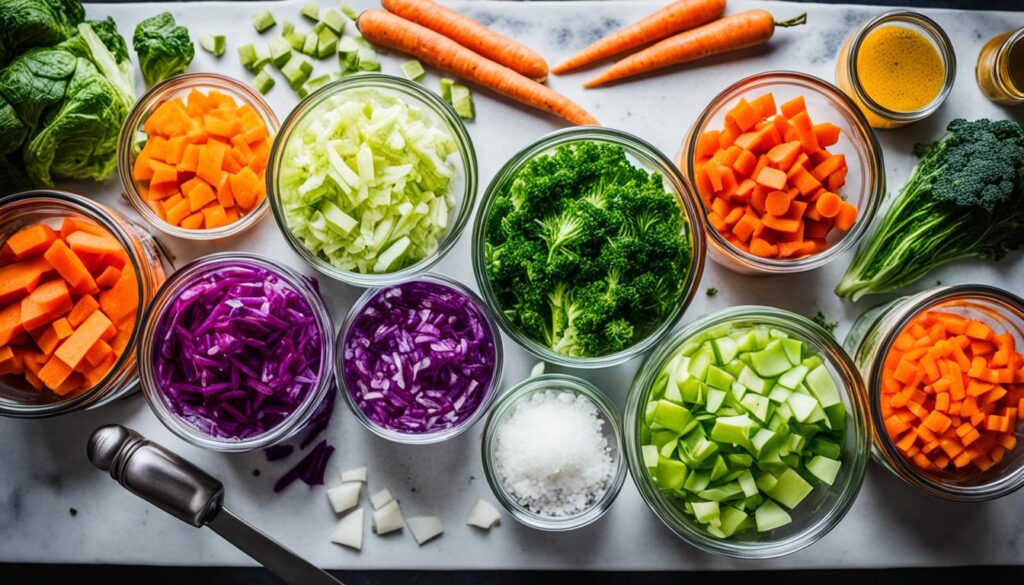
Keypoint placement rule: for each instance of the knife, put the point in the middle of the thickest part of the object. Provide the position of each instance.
(188, 493)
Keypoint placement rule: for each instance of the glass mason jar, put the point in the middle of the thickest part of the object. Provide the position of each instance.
(164, 301)
(147, 258)
(463, 185)
(870, 340)
(865, 183)
(132, 134)
(640, 153)
(1000, 68)
(848, 79)
(418, 438)
(825, 507)
(612, 431)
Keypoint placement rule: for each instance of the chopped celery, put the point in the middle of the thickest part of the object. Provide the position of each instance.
(446, 89)
(280, 52)
(413, 70)
(297, 71)
(333, 20)
(310, 44)
(287, 28)
(311, 11)
(247, 55)
(262, 21)
(213, 44)
(296, 39)
(263, 82)
(350, 12)
(382, 163)
(462, 101)
(749, 415)
(327, 43)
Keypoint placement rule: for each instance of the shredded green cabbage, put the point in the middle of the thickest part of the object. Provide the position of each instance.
(366, 181)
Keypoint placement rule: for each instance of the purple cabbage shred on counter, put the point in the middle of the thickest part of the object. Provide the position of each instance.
(419, 357)
(237, 351)
(310, 470)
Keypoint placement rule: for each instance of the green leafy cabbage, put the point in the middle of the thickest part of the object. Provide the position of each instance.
(163, 47)
(25, 24)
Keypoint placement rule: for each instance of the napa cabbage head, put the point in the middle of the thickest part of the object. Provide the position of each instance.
(25, 24)
(163, 46)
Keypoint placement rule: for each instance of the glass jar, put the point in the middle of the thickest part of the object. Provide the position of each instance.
(865, 182)
(640, 153)
(418, 438)
(165, 299)
(612, 431)
(825, 507)
(848, 79)
(147, 258)
(463, 185)
(132, 134)
(870, 340)
(1000, 68)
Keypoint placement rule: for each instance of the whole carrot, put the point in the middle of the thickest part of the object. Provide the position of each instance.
(472, 35)
(676, 17)
(395, 32)
(731, 33)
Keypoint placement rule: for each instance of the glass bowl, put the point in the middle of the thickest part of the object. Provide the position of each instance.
(865, 182)
(178, 87)
(826, 505)
(146, 257)
(463, 185)
(639, 153)
(165, 299)
(870, 340)
(612, 430)
(418, 438)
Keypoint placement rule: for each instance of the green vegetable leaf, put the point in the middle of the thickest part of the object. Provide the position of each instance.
(164, 48)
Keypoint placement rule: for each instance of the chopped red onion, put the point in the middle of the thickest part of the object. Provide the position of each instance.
(419, 357)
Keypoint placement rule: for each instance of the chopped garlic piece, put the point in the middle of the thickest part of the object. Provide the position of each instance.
(483, 515)
(424, 528)
(349, 531)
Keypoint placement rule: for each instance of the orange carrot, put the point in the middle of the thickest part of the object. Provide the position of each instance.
(30, 241)
(678, 16)
(473, 35)
(731, 33)
(394, 32)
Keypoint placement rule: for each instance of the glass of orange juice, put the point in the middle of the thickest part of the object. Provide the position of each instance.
(898, 67)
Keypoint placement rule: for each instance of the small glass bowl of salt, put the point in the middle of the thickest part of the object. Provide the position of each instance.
(552, 452)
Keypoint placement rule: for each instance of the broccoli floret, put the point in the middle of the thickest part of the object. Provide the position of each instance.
(964, 199)
(164, 48)
(585, 252)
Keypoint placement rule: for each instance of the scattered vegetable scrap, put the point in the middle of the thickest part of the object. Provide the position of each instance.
(768, 181)
(236, 351)
(366, 196)
(736, 424)
(822, 321)
(419, 357)
(203, 161)
(952, 393)
(483, 515)
(424, 528)
(349, 531)
(345, 496)
(69, 301)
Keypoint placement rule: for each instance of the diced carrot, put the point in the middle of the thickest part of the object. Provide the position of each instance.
(847, 217)
(829, 166)
(783, 155)
(28, 242)
(45, 304)
(771, 178)
(764, 105)
(20, 278)
(707, 144)
(793, 107)
(745, 163)
(70, 268)
(744, 115)
(248, 189)
(777, 203)
(55, 373)
(211, 160)
(760, 247)
(75, 347)
(82, 242)
(108, 277)
(200, 196)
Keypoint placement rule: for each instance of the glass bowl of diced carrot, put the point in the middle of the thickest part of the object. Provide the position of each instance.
(944, 371)
(193, 153)
(788, 170)
(75, 278)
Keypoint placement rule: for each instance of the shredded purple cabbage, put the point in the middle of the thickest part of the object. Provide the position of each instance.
(237, 351)
(310, 470)
(419, 357)
(321, 417)
(278, 452)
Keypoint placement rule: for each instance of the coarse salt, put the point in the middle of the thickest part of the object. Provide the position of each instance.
(551, 453)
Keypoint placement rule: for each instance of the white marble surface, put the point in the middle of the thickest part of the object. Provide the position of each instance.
(43, 470)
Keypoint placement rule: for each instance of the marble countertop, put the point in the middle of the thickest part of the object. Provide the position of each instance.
(44, 473)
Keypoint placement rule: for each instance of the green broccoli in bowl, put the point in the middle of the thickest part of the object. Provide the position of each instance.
(164, 48)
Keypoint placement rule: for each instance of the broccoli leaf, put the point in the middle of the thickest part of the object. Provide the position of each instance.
(164, 48)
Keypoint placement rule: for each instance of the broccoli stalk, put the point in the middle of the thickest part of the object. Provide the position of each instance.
(964, 199)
